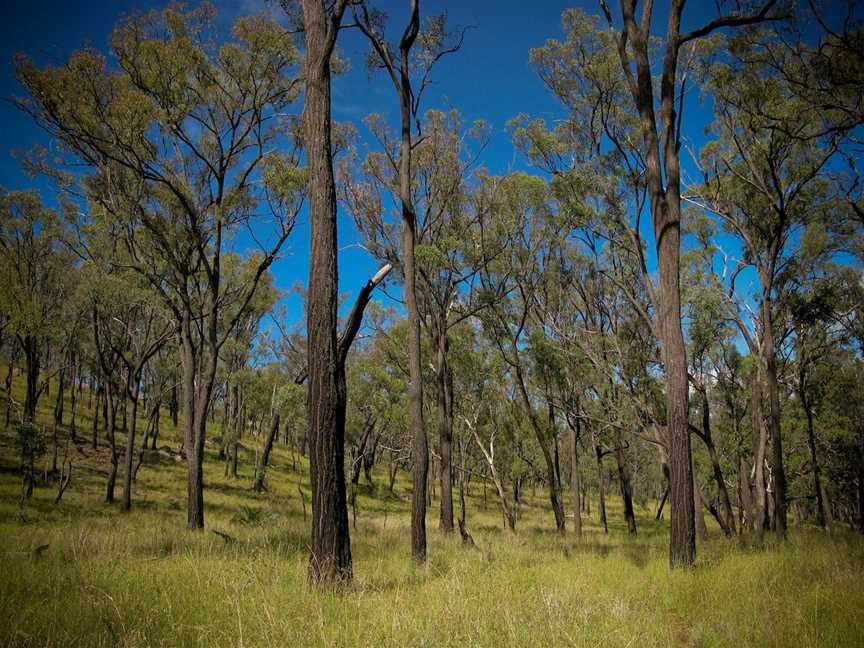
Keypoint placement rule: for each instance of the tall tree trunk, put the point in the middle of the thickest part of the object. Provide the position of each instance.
(701, 529)
(369, 459)
(415, 383)
(626, 488)
(74, 395)
(542, 439)
(31, 360)
(194, 470)
(445, 423)
(760, 441)
(58, 418)
(601, 487)
(773, 388)
(575, 481)
(728, 519)
(134, 390)
(111, 400)
(682, 541)
(8, 384)
(331, 544)
(745, 496)
(174, 403)
(811, 443)
(99, 396)
(226, 420)
(258, 485)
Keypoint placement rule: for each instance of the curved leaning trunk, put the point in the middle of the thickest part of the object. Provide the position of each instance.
(258, 484)
(551, 474)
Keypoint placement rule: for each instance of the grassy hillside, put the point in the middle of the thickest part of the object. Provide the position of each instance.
(141, 579)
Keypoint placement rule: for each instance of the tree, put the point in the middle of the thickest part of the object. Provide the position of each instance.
(764, 181)
(331, 545)
(661, 142)
(37, 276)
(177, 142)
(447, 260)
(400, 75)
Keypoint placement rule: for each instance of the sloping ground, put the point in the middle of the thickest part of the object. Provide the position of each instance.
(140, 579)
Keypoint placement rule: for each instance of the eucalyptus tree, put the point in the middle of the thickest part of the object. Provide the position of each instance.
(37, 275)
(409, 72)
(130, 326)
(327, 353)
(639, 117)
(177, 142)
(521, 223)
(765, 180)
(447, 259)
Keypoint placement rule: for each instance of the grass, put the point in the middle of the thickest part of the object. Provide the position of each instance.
(141, 579)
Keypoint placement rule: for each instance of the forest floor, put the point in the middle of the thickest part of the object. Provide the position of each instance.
(82, 573)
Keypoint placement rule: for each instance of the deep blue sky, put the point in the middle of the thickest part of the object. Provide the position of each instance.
(489, 78)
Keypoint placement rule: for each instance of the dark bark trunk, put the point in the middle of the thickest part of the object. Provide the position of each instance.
(239, 424)
(194, 469)
(601, 488)
(369, 459)
(575, 481)
(8, 384)
(821, 518)
(359, 452)
(701, 529)
(745, 496)
(663, 180)
(31, 359)
(663, 499)
(174, 403)
(99, 396)
(727, 522)
(548, 458)
(445, 429)
(111, 397)
(74, 394)
(773, 388)
(134, 389)
(626, 488)
(226, 420)
(331, 544)
(58, 403)
(760, 441)
(265, 456)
